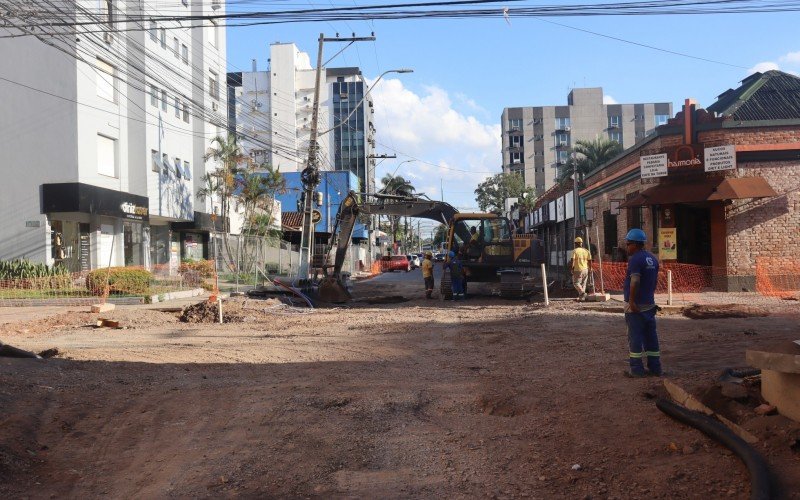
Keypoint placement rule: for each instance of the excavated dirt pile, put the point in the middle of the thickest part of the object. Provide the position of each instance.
(724, 311)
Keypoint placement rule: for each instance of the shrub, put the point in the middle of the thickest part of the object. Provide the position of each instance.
(204, 268)
(23, 269)
(126, 280)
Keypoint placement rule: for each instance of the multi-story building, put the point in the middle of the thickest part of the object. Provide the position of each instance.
(537, 139)
(107, 131)
(271, 111)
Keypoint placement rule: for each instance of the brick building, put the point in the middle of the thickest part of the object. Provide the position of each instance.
(717, 187)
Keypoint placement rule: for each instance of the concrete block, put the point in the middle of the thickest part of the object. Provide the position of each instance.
(783, 391)
(101, 308)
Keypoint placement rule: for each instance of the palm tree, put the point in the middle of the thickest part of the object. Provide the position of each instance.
(587, 156)
(397, 185)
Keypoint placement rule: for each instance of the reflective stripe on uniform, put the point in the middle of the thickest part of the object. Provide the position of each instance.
(636, 355)
(652, 354)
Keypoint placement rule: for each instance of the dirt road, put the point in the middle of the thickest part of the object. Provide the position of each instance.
(482, 398)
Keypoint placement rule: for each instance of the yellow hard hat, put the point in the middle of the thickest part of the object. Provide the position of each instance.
(428, 254)
(578, 240)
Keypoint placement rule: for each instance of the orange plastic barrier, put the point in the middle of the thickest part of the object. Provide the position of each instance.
(777, 277)
(686, 278)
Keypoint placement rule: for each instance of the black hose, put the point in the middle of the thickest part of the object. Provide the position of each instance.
(743, 372)
(760, 488)
(12, 352)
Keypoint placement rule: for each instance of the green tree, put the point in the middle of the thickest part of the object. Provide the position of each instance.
(397, 185)
(440, 236)
(491, 194)
(588, 155)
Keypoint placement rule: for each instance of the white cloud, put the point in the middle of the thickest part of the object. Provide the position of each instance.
(762, 67)
(453, 146)
(607, 99)
(791, 58)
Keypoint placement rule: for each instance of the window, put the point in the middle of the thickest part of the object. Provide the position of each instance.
(538, 137)
(163, 100)
(515, 124)
(661, 120)
(562, 139)
(177, 103)
(516, 157)
(563, 156)
(165, 163)
(154, 160)
(213, 85)
(176, 47)
(516, 141)
(106, 156)
(613, 121)
(105, 80)
(185, 54)
(615, 135)
(187, 171)
(153, 95)
(635, 214)
(178, 166)
(153, 31)
(186, 113)
(163, 38)
(562, 123)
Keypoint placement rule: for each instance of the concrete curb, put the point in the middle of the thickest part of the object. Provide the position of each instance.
(183, 294)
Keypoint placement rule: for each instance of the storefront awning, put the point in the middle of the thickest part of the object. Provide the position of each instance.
(708, 190)
(742, 187)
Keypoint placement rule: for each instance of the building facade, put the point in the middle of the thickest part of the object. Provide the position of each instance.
(718, 187)
(271, 111)
(107, 133)
(536, 140)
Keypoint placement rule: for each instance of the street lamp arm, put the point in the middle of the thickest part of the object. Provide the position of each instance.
(343, 121)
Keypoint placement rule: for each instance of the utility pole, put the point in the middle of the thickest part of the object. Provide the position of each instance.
(310, 175)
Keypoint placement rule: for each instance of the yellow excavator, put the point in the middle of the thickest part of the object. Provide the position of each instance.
(485, 242)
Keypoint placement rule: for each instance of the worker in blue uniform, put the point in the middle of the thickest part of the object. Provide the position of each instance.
(640, 306)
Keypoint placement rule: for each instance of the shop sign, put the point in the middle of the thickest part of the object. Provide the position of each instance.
(85, 248)
(668, 243)
(653, 166)
(133, 211)
(33, 223)
(560, 209)
(720, 158)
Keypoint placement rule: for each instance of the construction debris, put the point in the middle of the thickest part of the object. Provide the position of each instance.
(101, 308)
(107, 323)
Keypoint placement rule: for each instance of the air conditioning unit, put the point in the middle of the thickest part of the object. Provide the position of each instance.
(108, 37)
(214, 106)
(614, 125)
(567, 129)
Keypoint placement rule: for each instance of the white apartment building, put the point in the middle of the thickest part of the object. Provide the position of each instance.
(537, 139)
(105, 132)
(272, 111)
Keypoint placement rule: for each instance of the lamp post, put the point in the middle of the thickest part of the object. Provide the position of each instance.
(355, 108)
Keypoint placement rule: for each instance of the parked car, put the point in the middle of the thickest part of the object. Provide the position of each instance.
(413, 260)
(395, 263)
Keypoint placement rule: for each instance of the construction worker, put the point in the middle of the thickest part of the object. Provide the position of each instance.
(427, 274)
(580, 268)
(456, 275)
(640, 309)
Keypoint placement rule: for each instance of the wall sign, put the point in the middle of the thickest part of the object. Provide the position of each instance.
(668, 243)
(720, 158)
(653, 166)
(33, 223)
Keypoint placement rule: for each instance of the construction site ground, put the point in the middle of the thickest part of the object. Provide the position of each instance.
(418, 398)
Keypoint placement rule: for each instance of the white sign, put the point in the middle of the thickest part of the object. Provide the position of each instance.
(560, 209)
(720, 158)
(569, 206)
(551, 212)
(653, 166)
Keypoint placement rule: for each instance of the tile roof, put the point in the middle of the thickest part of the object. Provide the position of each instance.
(291, 221)
(773, 95)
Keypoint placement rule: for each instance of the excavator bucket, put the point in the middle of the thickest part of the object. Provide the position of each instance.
(332, 290)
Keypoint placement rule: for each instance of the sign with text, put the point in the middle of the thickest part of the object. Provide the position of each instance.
(653, 166)
(720, 158)
(668, 243)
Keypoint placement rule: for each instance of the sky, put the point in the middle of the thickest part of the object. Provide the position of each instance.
(446, 115)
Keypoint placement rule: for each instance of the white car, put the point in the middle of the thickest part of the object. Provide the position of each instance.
(414, 260)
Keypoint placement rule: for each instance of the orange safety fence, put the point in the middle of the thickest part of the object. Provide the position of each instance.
(777, 277)
(686, 278)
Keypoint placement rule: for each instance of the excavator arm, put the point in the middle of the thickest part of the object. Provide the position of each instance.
(331, 287)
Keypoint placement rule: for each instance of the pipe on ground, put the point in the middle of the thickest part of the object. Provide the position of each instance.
(760, 487)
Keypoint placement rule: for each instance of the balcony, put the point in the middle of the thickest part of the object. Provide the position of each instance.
(563, 128)
(562, 145)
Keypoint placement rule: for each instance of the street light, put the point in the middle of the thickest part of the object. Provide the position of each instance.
(355, 108)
